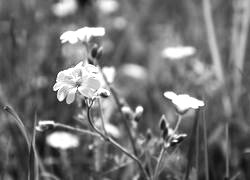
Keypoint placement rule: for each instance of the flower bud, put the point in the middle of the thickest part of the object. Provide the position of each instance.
(45, 125)
(94, 51)
(138, 113)
(163, 123)
(99, 52)
(128, 113)
(103, 93)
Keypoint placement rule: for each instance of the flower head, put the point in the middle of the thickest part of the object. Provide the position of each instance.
(183, 102)
(83, 79)
(62, 140)
(83, 34)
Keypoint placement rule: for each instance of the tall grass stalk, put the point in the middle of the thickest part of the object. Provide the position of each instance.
(205, 143)
(193, 140)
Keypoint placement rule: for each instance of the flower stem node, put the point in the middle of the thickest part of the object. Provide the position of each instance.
(45, 125)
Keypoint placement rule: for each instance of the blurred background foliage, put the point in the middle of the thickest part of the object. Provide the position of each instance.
(137, 32)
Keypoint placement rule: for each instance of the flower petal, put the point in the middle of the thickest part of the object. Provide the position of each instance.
(170, 95)
(93, 83)
(86, 91)
(57, 86)
(62, 93)
(71, 96)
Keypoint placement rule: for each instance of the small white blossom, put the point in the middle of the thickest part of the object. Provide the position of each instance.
(178, 52)
(109, 72)
(183, 102)
(62, 140)
(107, 6)
(83, 34)
(83, 79)
(64, 8)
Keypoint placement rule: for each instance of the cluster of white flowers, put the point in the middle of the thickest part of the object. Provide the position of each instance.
(83, 34)
(84, 79)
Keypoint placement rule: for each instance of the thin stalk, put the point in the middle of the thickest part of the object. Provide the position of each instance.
(83, 131)
(119, 105)
(163, 149)
(117, 145)
(205, 145)
(227, 175)
(101, 116)
(197, 149)
(191, 147)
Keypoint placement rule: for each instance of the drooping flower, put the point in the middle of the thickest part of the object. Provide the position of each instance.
(83, 34)
(178, 52)
(183, 102)
(62, 140)
(83, 79)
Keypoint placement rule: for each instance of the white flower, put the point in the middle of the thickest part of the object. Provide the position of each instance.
(107, 6)
(178, 52)
(83, 34)
(64, 8)
(183, 102)
(83, 79)
(62, 140)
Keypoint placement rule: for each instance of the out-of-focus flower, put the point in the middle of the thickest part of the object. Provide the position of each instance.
(83, 79)
(183, 102)
(110, 129)
(109, 72)
(45, 125)
(134, 71)
(178, 52)
(62, 140)
(107, 6)
(120, 23)
(83, 34)
(138, 113)
(64, 8)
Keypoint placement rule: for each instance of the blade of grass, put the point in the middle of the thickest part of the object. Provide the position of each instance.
(205, 143)
(191, 144)
(33, 172)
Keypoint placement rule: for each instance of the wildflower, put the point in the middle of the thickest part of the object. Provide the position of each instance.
(178, 52)
(82, 79)
(83, 34)
(62, 140)
(183, 102)
(64, 8)
(138, 113)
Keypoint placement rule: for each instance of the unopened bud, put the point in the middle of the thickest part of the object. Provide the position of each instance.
(163, 123)
(45, 125)
(138, 113)
(148, 134)
(128, 113)
(94, 51)
(99, 53)
(103, 93)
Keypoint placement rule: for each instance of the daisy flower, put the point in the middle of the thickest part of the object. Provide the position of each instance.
(83, 34)
(83, 79)
(183, 102)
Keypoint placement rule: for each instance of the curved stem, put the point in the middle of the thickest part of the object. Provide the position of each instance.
(117, 145)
